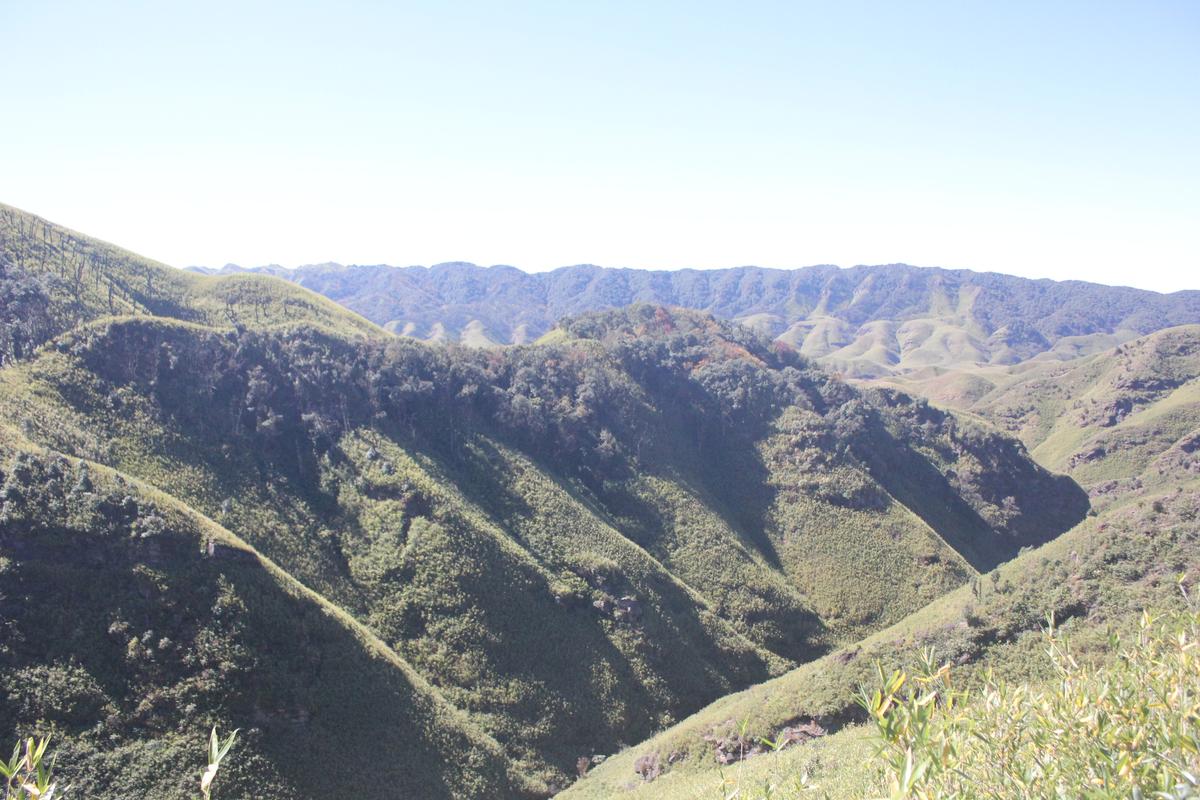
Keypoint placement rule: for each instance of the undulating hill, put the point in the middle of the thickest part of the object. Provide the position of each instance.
(1106, 418)
(52, 279)
(563, 547)
(864, 321)
(130, 622)
(1126, 424)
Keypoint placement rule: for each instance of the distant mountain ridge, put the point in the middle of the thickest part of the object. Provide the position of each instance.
(866, 321)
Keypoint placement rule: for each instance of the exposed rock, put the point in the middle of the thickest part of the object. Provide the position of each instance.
(1087, 456)
(845, 656)
(1116, 411)
(648, 767)
(801, 732)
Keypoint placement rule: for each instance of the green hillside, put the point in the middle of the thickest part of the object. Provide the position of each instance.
(1093, 579)
(52, 279)
(132, 624)
(1106, 418)
(577, 543)
(1133, 411)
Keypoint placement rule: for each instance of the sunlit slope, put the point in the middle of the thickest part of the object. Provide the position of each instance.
(84, 278)
(1106, 418)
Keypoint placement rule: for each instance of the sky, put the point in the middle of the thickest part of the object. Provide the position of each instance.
(1046, 139)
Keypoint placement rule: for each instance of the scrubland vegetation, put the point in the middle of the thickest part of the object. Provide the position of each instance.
(1129, 727)
(654, 554)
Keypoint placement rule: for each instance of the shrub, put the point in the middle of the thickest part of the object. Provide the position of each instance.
(28, 774)
(1127, 729)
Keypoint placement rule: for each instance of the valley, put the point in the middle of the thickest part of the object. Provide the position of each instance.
(673, 515)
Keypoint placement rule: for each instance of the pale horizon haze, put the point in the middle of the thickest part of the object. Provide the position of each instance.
(1049, 140)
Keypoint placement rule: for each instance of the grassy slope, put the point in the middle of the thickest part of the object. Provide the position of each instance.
(90, 279)
(112, 607)
(1095, 576)
(1147, 483)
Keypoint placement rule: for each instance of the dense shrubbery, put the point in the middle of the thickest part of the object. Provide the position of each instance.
(658, 379)
(1128, 728)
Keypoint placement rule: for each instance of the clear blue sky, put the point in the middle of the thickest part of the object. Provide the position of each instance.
(1049, 139)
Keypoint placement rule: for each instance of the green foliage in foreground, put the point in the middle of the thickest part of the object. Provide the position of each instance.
(1130, 728)
(1127, 728)
(1123, 722)
(216, 754)
(28, 775)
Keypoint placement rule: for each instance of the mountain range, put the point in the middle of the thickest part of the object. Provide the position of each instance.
(866, 321)
(609, 563)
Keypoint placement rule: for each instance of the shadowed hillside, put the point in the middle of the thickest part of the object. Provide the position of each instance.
(131, 623)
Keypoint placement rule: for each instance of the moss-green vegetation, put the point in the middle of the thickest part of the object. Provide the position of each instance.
(1093, 578)
(492, 567)
(132, 625)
